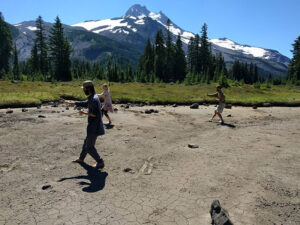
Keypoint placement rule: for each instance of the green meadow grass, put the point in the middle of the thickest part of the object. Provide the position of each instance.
(25, 93)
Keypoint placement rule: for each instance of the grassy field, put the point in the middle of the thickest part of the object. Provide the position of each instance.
(33, 93)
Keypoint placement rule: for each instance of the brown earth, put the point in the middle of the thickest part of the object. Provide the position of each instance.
(251, 164)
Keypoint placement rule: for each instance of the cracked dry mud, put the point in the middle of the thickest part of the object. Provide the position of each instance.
(252, 167)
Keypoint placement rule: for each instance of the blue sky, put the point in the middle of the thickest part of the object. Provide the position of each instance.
(273, 24)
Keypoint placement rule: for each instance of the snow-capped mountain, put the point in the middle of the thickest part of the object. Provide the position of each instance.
(126, 37)
(139, 23)
(85, 44)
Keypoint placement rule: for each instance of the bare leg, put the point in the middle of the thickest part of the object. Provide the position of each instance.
(219, 114)
(109, 120)
(213, 116)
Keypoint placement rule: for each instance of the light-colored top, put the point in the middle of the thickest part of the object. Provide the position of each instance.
(107, 100)
(220, 95)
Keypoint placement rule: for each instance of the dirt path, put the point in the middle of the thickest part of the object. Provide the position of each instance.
(252, 165)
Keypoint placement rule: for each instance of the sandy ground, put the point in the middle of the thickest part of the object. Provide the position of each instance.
(252, 165)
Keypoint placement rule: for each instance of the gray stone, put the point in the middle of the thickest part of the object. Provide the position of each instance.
(24, 110)
(9, 111)
(42, 116)
(194, 106)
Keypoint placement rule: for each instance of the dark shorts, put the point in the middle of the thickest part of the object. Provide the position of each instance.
(104, 111)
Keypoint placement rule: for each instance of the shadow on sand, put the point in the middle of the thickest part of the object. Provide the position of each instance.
(109, 126)
(226, 125)
(96, 178)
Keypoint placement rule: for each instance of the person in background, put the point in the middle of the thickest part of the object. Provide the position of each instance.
(107, 102)
(220, 95)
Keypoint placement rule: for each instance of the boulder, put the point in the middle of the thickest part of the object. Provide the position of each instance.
(194, 106)
(9, 111)
(254, 107)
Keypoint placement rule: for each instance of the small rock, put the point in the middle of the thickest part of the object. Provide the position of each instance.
(47, 186)
(53, 111)
(147, 111)
(229, 115)
(55, 104)
(9, 111)
(228, 106)
(254, 107)
(115, 109)
(193, 146)
(39, 106)
(126, 106)
(174, 105)
(128, 170)
(42, 116)
(194, 106)
(122, 106)
(24, 110)
(67, 108)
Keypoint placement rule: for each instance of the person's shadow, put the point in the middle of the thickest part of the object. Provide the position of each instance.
(227, 125)
(96, 178)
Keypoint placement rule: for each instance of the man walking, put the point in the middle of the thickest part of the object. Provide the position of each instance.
(95, 124)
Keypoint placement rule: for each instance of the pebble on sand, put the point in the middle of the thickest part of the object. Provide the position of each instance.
(47, 186)
(9, 111)
(42, 116)
(193, 146)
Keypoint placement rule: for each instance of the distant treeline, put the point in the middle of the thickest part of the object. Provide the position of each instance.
(162, 61)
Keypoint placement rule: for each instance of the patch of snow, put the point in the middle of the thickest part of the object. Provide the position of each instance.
(226, 43)
(174, 30)
(110, 23)
(142, 16)
(120, 30)
(132, 17)
(154, 15)
(24, 32)
(16, 25)
(31, 28)
(134, 29)
(141, 22)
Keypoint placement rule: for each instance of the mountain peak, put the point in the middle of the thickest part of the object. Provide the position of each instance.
(137, 10)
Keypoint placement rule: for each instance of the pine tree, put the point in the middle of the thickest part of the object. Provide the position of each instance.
(16, 68)
(60, 51)
(294, 66)
(5, 45)
(170, 52)
(34, 59)
(159, 59)
(42, 46)
(179, 61)
(205, 51)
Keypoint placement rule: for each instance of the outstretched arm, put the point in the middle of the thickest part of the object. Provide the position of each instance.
(88, 114)
(212, 95)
